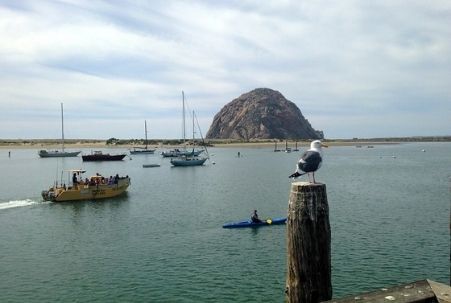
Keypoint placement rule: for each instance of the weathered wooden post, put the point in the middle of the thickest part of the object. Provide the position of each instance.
(308, 244)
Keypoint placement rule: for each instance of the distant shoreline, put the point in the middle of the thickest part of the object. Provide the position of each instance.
(166, 144)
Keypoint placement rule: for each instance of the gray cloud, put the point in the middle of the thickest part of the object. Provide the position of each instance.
(354, 68)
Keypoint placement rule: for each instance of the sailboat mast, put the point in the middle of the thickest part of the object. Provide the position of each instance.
(145, 129)
(193, 131)
(184, 134)
(62, 126)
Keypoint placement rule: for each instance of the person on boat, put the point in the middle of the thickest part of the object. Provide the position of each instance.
(255, 218)
(74, 179)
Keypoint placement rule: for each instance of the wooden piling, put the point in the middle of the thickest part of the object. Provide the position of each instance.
(308, 244)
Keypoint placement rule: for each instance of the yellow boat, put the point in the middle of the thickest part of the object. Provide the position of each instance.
(96, 187)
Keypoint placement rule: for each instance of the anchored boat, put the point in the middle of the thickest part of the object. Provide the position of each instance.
(188, 158)
(143, 150)
(58, 153)
(100, 156)
(188, 161)
(93, 188)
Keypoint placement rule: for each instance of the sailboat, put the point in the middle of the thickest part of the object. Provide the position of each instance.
(287, 149)
(143, 150)
(188, 158)
(177, 152)
(58, 153)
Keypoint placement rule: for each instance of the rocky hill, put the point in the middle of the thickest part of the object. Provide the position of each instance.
(261, 114)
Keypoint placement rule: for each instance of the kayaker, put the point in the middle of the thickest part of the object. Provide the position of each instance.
(254, 217)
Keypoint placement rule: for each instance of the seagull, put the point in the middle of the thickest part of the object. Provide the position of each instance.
(310, 161)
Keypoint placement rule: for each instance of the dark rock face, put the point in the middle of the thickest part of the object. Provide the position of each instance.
(261, 114)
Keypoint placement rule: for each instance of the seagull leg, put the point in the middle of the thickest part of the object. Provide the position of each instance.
(313, 174)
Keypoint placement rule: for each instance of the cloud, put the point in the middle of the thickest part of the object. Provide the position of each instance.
(118, 63)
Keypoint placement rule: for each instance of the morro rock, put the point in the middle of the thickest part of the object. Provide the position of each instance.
(261, 114)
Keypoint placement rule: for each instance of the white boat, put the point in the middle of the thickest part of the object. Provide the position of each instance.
(58, 153)
(173, 153)
(143, 150)
(188, 158)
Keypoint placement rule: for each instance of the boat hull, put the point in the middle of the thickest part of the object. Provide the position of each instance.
(103, 157)
(86, 192)
(249, 223)
(57, 153)
(188, 162)
(142, 152)
(180, 153)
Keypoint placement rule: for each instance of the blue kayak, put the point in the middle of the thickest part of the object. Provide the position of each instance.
(249, 223)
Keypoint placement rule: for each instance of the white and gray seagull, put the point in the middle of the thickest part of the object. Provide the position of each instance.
(310, 161)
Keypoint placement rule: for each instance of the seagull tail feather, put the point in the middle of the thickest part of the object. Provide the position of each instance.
(295, 175)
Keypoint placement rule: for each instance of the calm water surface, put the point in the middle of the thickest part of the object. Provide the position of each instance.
(163, 240)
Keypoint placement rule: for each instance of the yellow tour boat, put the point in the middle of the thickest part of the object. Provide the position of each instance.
(93, 188)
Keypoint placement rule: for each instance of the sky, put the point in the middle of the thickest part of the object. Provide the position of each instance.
(360, 69)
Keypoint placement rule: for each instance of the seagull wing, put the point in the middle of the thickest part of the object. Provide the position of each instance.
(310, 161)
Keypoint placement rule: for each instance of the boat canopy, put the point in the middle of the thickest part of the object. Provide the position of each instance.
(76, 171)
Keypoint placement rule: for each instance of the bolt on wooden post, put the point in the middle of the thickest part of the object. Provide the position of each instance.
(308, 244)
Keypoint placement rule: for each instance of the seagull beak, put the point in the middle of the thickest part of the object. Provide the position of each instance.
(324, 145)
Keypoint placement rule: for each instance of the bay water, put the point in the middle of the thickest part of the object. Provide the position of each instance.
(163, 240)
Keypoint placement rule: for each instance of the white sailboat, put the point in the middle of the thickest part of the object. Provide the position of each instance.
(188, 158)
(176, 152)
(143, 150)
(58, 153)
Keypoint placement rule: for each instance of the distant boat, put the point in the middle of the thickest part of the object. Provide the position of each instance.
(99, 156)
(287, 149)
(58, 153)
(188, 161)
(143, 150)
(176, 152)
(188, 158)
(94, 188)
(151, 165)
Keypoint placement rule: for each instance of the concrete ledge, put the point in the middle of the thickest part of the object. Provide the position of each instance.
(424, 291)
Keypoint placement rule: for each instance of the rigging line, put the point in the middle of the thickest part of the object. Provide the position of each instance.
(202, 137)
